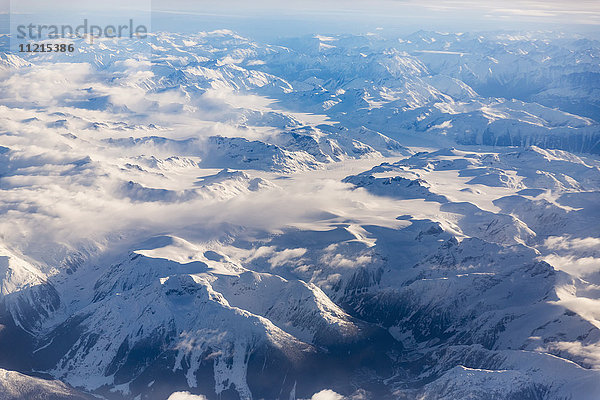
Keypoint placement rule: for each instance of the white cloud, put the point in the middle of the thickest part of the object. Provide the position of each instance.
(567, 243)
(589, 354)
(580, 267)
(327, 394)
(287, 256)
(186, 396)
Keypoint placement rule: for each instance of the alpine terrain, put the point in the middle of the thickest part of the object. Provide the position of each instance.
(206, 216)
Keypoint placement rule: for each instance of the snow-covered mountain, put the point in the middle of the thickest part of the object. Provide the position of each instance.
(377, 217)
(16, 386)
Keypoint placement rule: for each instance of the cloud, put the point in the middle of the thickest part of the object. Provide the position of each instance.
(327, 394)
(580, 267)
(287, 256)
(576, 299)
(589, 354)
(45, 85)
(565, 242)
(186, 396)
(579, 257)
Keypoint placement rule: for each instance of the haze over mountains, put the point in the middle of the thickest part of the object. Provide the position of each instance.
(327, 215)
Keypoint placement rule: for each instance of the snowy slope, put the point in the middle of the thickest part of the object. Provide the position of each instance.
(14, 385)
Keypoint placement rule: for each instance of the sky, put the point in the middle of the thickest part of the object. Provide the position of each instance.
(268, 18)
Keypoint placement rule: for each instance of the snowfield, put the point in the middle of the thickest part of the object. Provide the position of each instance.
(344, 217)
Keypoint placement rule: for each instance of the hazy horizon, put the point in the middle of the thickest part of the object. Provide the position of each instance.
(270, 19)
